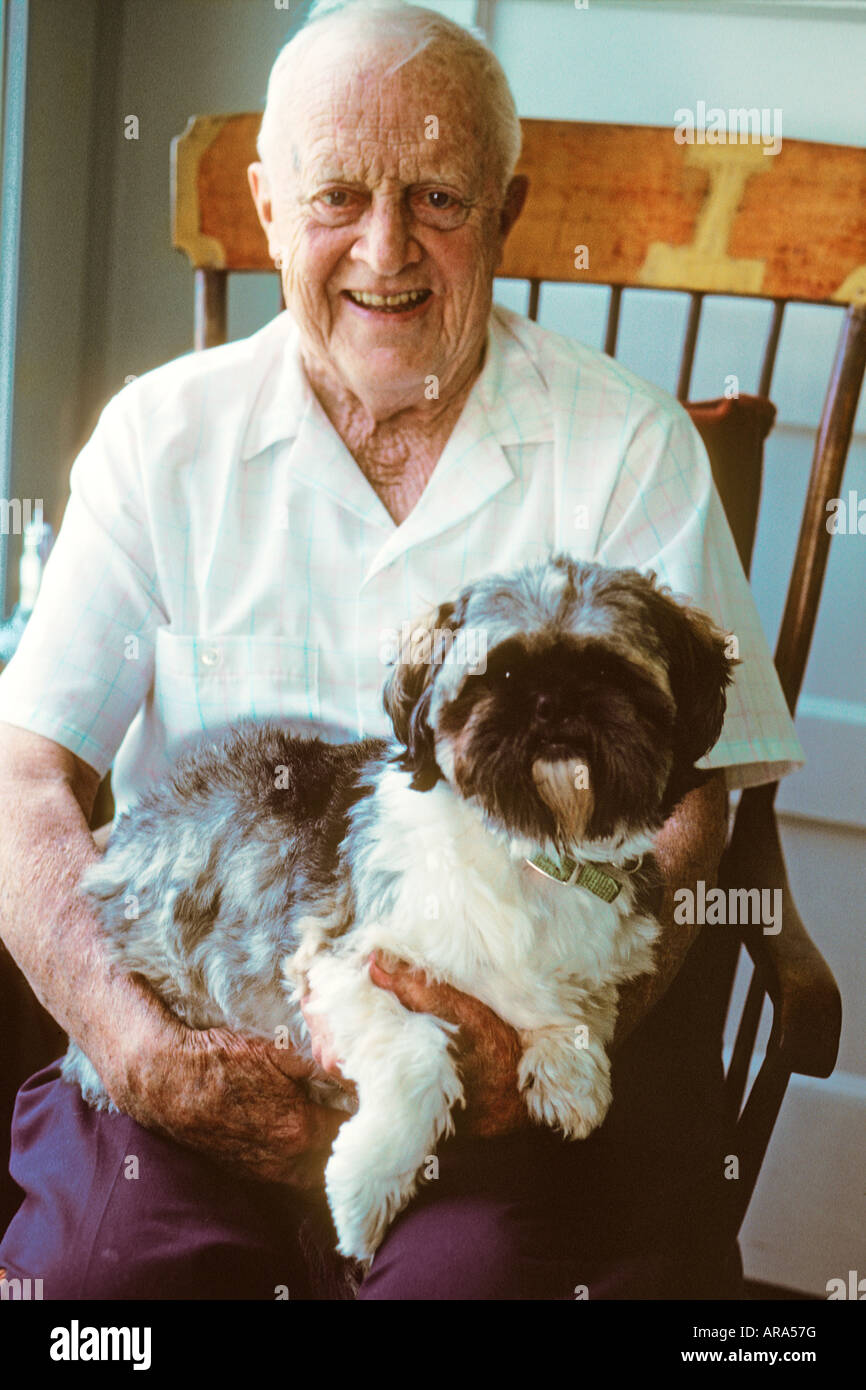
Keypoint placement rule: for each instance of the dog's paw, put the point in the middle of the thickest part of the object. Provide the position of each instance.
(362, 1206)
(564, 1092)
(562, 1112)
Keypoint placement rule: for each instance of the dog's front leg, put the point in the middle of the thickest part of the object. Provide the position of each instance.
(564, 1075)
(407, 1085)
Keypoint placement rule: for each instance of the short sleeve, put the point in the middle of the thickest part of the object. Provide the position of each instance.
(85, 660)
(665, 514)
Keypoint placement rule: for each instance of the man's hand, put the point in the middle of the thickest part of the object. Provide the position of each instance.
(488, 1049)
(237, 1099)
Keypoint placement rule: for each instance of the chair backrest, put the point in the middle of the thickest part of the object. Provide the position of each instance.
(654, 211)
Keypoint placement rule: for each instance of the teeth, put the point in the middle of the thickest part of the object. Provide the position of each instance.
(388, 301)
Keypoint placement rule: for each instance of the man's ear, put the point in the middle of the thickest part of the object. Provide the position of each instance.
(512, 207)
(260, 188)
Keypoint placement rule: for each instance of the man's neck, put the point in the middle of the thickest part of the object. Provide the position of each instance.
(396, 452)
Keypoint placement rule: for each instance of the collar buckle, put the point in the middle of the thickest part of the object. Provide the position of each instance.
(571, 874)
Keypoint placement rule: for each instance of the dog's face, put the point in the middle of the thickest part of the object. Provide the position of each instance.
(599, 693)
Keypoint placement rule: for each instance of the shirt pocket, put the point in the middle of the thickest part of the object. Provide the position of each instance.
(203, 682)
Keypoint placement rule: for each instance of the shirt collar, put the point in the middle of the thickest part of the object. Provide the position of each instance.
(511, 389)
(284, 393)
(510, 380)
(508, 405)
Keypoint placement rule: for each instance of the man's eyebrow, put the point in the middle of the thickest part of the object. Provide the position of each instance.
(335, 175)
(451, 177)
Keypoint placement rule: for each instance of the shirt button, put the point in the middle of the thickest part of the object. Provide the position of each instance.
(210, 656)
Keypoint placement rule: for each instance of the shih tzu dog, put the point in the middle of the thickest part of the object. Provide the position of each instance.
(495, 842)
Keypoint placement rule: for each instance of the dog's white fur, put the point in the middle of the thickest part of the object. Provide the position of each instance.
(545, 956)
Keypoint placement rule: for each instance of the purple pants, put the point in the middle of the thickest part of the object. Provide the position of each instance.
(112, 1211)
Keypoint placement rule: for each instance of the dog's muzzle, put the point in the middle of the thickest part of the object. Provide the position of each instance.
(561, 786)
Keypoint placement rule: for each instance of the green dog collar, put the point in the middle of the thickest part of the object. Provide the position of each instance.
(586, 876)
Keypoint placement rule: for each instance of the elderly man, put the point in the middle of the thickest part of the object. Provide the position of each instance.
(242, 527)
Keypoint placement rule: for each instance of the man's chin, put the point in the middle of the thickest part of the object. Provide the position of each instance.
(379, 371)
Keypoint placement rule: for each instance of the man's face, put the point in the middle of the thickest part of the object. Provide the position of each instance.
(384, 187)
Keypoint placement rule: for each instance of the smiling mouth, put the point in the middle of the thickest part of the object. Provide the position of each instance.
(388, 303)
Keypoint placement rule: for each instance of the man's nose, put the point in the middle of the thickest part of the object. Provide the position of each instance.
(387, 243)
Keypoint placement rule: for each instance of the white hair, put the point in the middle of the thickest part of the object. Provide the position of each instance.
(410, 30)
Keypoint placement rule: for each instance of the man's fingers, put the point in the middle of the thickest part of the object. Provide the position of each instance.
(418, 994)
(323, 1125)
(292, 1065)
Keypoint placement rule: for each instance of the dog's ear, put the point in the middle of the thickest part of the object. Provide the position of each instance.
(408, 689)
(699, 670)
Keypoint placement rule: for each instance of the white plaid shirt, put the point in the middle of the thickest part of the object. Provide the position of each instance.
(223, 555)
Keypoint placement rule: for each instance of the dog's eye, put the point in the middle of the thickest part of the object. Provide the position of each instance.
(506, 675)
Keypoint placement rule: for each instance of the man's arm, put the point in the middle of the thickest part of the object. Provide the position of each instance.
(233, 1097)
(688, 848)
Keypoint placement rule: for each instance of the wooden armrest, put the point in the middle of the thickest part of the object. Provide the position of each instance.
(807, 1007)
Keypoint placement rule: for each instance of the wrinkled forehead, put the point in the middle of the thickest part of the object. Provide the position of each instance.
(350, 117)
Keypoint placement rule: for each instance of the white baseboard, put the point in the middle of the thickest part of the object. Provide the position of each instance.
(807, 1220)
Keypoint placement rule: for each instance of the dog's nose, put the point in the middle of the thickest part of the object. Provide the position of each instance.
(543, 708)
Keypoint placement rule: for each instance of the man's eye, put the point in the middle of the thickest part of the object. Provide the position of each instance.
(438, 208)
(335, 202)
